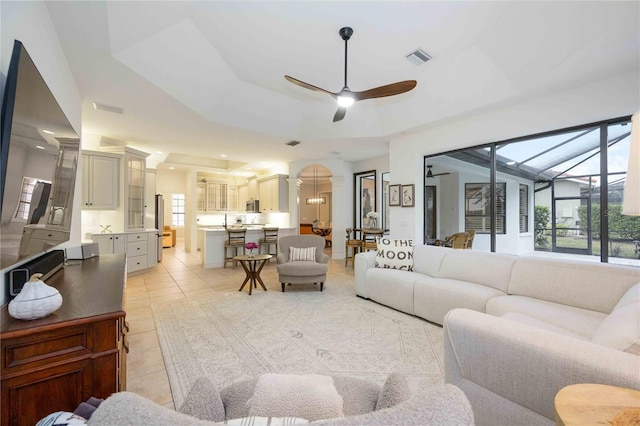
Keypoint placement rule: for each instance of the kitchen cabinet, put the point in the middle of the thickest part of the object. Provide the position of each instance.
(56, 362)
(253, 188)
(132, 175)
(100, 180)
(141, 248)
(243, 196)
(134, 190)
(274, 194)
(213, 196)
(150, 200)
(110, 243)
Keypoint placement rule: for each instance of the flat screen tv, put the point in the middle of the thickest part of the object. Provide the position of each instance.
(40, 151)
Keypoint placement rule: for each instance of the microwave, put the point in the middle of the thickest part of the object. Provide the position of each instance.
(253, 206)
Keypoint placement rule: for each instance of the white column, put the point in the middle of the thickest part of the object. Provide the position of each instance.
(338, 215)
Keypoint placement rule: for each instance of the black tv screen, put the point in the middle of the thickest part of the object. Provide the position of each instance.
(40, 151)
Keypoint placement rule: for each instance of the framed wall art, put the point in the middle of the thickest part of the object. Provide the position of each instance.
(407, 195)
(394, 195)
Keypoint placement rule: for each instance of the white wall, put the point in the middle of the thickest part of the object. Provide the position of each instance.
(30, 23)
(615, 96)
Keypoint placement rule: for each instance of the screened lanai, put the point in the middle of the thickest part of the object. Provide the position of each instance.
(540, 193)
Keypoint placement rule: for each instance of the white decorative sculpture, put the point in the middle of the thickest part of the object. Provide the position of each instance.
(35, 300)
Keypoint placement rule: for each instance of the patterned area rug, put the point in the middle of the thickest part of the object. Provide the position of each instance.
(233, 337)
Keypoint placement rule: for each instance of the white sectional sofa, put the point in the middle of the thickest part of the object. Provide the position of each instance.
(540, 324)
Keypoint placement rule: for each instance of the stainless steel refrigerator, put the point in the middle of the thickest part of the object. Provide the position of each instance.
(159, 223)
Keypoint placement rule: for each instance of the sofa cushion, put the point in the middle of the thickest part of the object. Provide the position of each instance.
(489, 269)
(394, 391)
(394, 254)
(631, 296)
(587, 285)
(525, 319)
(582, 322)
(392, 287)
(309, 396)
(302, 269)
(427, 259)
(434, 297)
(621, 329)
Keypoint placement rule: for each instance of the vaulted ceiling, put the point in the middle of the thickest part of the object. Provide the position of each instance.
(205, 79)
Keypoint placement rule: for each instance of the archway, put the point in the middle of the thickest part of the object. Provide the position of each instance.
(315, 197)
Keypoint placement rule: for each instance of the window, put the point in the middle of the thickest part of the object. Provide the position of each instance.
(524, 208)
(478, 207)
(177, 209)
(26, 193)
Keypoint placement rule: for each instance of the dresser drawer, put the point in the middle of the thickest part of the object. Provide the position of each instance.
(136, 236)
(56, 346)
(137, 248)
(136, 263)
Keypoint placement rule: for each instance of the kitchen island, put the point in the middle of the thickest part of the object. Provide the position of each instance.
(211, 242)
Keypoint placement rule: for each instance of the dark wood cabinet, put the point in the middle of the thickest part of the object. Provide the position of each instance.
(55, 363)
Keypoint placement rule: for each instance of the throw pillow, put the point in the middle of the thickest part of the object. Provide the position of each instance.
(306, 254)
(62, 418)
(394, 391)
(309, 396)
(621, 329)
(394, 254)
(264, 421)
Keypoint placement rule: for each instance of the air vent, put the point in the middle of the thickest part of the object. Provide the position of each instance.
(418, 57)
(103, 107)
(293, 143)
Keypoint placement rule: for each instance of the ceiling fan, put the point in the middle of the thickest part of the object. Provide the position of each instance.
(346, 97)
(430, 174)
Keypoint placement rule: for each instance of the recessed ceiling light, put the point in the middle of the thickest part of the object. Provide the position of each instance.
(249, 168)
(49, 132)
(172, 168)
(223, 155)
(40, 147)
(510, 163)
(159, 152)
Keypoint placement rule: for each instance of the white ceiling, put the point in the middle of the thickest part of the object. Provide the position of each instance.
(206, 78)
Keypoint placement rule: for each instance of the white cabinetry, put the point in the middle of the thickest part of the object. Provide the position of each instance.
(213, 196)
(100, 183)
(110, 243)
(243, 196)
(140, 247)
(150, 200)
(133, 176)
(274, 194)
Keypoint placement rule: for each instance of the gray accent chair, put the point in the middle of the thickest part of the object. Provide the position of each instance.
(302, 272)
(364, 403)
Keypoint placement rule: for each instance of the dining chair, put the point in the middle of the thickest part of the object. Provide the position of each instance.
(369, 238)
(236, 239)
(353, 243)
(269, 238)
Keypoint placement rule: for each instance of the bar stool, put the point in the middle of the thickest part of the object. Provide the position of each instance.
(236, 238)
(353, 243)
(369, 238)
(269, 239)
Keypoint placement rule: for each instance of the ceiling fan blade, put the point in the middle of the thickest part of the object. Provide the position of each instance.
(308, 86)
(339, 114)
(388, 90)
(440, 174)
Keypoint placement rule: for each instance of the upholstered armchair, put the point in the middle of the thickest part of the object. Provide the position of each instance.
(299, 263)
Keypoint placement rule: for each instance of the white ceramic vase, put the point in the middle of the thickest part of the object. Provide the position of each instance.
(35, 300)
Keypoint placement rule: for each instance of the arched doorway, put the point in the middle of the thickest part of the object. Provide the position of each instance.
(315, 201)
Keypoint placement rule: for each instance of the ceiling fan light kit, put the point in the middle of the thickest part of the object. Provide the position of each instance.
(345, 98)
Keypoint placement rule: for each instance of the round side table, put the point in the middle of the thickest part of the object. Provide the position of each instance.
(591, 404)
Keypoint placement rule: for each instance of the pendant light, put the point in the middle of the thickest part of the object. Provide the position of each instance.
(316, 199)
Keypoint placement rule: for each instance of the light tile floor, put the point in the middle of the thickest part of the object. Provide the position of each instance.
(181, 275)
